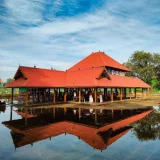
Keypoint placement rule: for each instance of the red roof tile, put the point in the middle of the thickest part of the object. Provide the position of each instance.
(98, 59)
(35, 77)
(86, 73)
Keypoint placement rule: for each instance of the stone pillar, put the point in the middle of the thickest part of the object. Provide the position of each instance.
(26, 96)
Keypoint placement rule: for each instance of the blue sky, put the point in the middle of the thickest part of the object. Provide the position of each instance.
(59, 33)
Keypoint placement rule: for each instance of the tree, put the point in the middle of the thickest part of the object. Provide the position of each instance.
(145, 66)
(1, 82)
(148, 128)
(8, 81)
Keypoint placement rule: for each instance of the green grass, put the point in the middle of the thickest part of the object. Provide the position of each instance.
(7, 91)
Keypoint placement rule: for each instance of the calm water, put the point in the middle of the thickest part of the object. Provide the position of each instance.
(57, 133)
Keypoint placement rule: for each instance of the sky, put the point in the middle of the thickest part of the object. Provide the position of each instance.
(59, 33)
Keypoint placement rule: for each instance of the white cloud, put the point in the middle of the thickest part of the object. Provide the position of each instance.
(62, 42)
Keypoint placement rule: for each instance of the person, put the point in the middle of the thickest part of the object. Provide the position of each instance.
(90, 97)
(74, 96)
(100, 97)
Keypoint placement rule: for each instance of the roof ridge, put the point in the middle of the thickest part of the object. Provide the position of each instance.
(84, 69)
(41, 68)
(102, 57)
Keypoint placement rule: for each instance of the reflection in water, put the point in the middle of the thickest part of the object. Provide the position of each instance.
(149, 127)
(96, 127)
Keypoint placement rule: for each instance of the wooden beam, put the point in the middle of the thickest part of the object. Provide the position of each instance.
(95, 115)
(147, 92)
(65, 95)
(54, 113)
(112, 114)
(11, 113)
(54, 96)
(95, 95)
(121, 112)
(12, 93)
(79, 90)
(26, 117)
(130, 94)
(125, 93)
(142, 92)
(120, 94)
(111, 94)
(65, 110)
(26, 96)
(79, 114)
(135, 91)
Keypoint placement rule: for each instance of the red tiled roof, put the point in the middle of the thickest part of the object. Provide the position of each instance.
(35, 77)
(83, 77)
(97, 59)
(122, 81)
(88, 77)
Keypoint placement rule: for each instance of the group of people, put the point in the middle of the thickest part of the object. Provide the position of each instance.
(88, 95)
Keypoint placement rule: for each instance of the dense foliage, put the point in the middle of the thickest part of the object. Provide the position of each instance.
(145, 66)
(149, 127)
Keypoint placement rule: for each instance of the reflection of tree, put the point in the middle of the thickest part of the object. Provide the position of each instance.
(148, 128)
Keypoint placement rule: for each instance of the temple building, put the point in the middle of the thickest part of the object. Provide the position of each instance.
(96, 78)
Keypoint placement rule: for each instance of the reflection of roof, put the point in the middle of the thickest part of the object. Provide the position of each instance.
(96, 137)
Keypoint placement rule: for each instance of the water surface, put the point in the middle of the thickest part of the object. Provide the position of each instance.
(73, 133)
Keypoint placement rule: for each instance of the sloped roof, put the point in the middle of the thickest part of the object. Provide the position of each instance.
(97, 59)
(122, 81)
(83, 77)
(89, 78)
(36, 77)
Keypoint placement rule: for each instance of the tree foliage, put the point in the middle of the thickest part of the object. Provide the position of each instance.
(8, 81)
(145, 66)
(148, 128)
